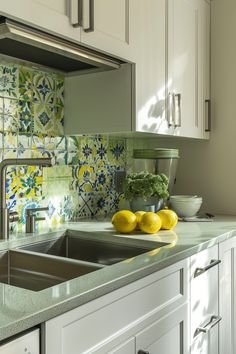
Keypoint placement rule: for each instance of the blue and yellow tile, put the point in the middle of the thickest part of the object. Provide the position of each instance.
(43, 88)
(87, 178)
(29, 181)
(26, 114)
(117, 152)
(11, 183)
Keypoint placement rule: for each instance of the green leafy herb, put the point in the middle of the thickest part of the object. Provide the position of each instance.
(146, 185)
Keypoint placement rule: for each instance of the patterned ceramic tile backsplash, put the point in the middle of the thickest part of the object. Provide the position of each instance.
(81, 184)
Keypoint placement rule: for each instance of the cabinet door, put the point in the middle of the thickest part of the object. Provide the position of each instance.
(183, 67)
(106, 26)
(167, 335)
(148, 42)
(204, 101)
(204, 301)
(54, 16)
(28, 343)
(227, 295)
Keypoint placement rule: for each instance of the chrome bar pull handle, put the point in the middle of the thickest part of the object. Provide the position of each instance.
(212, 264)
(76, 13)
(212, 323)
(171, 111)
(208, 115)
(177, 105)
(90, 10)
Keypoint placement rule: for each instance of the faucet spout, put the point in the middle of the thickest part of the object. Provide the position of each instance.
(4, 212)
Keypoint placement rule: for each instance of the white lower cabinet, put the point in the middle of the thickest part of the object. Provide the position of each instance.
(204, 310)
(227, 295)
(187, 308)
(144, 314)
(125, 348)
(167, 335)
(25, 344)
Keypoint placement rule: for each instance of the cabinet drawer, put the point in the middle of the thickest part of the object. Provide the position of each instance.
(28, 343)
(99, 321)
(204, 299)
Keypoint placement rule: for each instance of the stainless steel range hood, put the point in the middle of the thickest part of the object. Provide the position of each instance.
(26, 43)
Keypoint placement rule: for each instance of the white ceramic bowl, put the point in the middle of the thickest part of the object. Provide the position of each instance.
(185, 197)
(186, 208)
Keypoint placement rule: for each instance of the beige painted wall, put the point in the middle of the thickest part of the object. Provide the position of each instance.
(209, 168)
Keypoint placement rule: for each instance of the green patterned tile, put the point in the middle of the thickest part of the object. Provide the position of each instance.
(59, 83)
(59, 121)
(50, 143)
(9, 84)
(38, 141)
(1, 123)
(73, 143)
(9, 140)
(24, 153)
(60, 142)
(26, 113)
(25, 83)
(9, 153)
(117, 152)
(11, 115)
(44, 119)
(59, 172)
(24, 141)
(44, 87)
(1, 105)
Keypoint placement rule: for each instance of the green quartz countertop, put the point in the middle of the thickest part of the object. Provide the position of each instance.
(22, 309)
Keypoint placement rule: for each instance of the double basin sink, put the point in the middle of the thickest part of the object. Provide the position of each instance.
(47, 263)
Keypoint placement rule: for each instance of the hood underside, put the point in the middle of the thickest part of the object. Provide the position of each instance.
(26, 43)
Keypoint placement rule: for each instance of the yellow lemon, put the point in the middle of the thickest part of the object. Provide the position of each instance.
(150, 223)
(169, 218)
(139, 215)
(124, 221)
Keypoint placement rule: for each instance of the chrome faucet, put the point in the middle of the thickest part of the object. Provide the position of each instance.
(31, 218)
(5, 215)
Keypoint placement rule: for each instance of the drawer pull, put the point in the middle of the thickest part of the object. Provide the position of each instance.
(143, 352)
(213, 322)
(212, 264)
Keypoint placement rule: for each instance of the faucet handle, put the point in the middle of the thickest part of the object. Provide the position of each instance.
(13, 216)
(31, 211)
(31, 218)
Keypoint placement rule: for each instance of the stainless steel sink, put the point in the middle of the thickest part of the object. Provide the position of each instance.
(82, 247)
(37, 272)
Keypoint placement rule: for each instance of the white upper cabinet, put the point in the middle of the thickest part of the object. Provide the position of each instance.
(105, 25)
(204, 109)
(148, 43)
(55, 16)
(182, 82)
